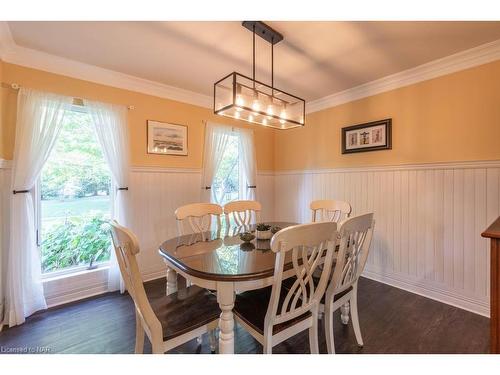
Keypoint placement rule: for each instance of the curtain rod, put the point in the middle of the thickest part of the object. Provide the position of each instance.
(76, 101)
(204, 122)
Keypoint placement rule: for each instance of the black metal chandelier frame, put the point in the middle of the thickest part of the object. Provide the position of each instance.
(273, 37)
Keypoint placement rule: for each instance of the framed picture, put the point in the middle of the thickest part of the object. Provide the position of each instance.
(167, 139)
(372, 136)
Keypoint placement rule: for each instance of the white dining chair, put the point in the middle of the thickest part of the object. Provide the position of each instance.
(355, 239)
(242, 212)
(274, 314)
(168, 321)
(330, 210)
(199, 217)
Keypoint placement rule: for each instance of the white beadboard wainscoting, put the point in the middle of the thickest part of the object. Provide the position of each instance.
(429, 220)
(155, 194)
(4, 221)
(427, 234)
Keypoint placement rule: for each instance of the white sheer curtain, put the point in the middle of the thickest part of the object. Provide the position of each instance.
(110, 122)
(248, 164)
(39, 121)
(216, 138)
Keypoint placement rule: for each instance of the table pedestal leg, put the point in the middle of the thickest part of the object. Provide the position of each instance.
(171, 281)
(344, 313)
(225, 297)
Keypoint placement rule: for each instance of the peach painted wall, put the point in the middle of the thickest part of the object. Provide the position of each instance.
(450, 118)
(146, 108)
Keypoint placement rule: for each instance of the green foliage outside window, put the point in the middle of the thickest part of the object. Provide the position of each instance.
(75, 201)
(76, 167)
(226, 180)
(77, 241)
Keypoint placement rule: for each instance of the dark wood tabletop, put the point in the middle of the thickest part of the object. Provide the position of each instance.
(493, 231)
(220, 257)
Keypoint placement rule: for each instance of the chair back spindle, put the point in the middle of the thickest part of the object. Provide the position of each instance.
(308, 246)
(355, 239)
(242, 213)
(199, 217)
(330, 210)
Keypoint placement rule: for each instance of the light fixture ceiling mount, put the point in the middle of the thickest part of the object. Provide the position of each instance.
(247, 99)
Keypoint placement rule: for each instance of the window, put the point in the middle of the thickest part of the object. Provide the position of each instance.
(227, 185)
(74, 202)
(229, 167)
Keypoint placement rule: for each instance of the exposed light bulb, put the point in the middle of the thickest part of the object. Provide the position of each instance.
(237, 114)
(239, 101)
(264, 121)
(282, 121)
(256, 105)
(283, 114)
(270, 110)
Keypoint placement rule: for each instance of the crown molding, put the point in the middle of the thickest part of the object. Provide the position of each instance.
(480, 55)
(10, 52)
(6, 42)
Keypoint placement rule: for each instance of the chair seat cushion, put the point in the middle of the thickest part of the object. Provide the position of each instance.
(185, 310)
(289, 282)
(251, 307)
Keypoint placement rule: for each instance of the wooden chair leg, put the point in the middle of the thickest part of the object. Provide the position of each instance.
(139, 335)
(268, 342)
(330, 342)
(212, 338)
(344, 313)
(355, 317)
(313, 335)
(267, 349)
(157, 349)
(171, 281)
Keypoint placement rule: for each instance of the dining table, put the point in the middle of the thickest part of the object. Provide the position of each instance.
(222, 262)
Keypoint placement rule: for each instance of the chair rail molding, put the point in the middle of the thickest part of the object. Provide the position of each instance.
(429, 219)
(5, 164)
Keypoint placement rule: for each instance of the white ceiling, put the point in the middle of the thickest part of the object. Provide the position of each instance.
(315, 59)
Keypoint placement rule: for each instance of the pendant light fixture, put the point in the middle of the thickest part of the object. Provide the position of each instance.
(247, 99)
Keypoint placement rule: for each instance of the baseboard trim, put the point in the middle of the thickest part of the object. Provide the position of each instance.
(432, 292)
(422, 289)
(76, 295)
(154, 274)
(62, 296)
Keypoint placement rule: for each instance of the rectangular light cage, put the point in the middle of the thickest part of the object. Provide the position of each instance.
(242, 98)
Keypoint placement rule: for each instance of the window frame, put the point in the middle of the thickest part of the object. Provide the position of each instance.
(241, 177)
(37, 198)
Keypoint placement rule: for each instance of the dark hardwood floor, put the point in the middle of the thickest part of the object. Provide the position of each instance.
(392, 321)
